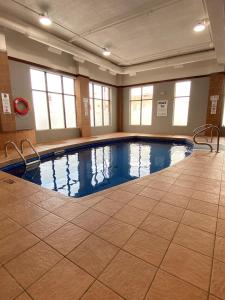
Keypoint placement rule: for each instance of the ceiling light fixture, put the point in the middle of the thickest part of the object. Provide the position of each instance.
(200, 26)
(45, 20)
(106, 52)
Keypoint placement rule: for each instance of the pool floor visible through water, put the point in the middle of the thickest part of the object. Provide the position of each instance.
(87, 170)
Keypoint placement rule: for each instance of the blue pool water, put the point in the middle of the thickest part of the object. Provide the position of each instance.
(86, 170)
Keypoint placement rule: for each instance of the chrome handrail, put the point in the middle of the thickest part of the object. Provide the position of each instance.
(203, 128)
(31, 145)
(16, 148)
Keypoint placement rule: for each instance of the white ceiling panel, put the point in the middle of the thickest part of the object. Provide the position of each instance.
(136, 31)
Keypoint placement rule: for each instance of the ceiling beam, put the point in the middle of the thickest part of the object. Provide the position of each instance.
(215, 10)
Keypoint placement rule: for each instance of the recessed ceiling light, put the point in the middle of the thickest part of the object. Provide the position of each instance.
(106, 52)
(200, 26)
(45, 20)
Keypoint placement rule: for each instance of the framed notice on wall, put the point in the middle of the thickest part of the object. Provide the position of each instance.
(162, 108)
(6, 107)
(214, 100)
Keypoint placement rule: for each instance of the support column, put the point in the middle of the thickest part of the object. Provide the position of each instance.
(7, 120)
(82, 105)
(216, 91)
(119, 109)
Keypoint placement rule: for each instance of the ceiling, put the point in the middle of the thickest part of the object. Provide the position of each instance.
(136, 31)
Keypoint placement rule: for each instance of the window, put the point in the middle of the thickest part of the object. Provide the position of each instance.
(53, 100)
(141, 105)
(99, 105)
(181, 103)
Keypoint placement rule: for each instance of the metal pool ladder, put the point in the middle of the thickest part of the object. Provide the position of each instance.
(28, 165)
(202, 129)
(33, 163)
(16, 148)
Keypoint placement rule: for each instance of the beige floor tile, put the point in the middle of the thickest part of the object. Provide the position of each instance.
(33, 263)
(98, 291)
(8, 226)
(159, 185)
(128, 276)
(203, 207)
(90, 220)
(46, 225)
(147, 246)
(15, 243)
(221, 213)
(175, 199)
(23, 296)
(131, 215)
(66, 238)
(38, 197)
(70, 210)
(194, 239)
(52, 203)
(220, 230)
(65, 281)
(93, 255)
(168, 211)
(9, 288)
(152, 193)
(25, 214)
(168, 287)
(144, 203)
(185, 183)
(133, 188)
(188, 265)
(90, 201)
(120, 196)
(209, 188)
(159, 226)
(208, 197)
(211, 297)
(219, 252)
(179, 190)
(108, 206)
(200, 221)
(217, 281)
(115, 231)
(222, 200)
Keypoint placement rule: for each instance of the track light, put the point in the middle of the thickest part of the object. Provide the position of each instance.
(106, 52)
(200, 26)
(45, 20)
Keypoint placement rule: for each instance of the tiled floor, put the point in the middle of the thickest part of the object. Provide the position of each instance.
(161, 237)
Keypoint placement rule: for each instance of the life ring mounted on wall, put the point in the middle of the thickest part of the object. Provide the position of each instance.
(17, 103)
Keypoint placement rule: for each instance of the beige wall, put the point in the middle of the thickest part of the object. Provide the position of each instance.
(165, 91)
(188, 70)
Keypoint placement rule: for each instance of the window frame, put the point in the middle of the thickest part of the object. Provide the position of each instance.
(176, 97)
(47, 92)
(141, 102)
(92, 84)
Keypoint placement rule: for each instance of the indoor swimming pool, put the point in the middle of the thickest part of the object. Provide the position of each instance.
(88, 169)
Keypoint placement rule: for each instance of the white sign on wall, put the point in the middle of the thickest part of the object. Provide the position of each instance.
(162, 108)
(214, 99)
(6, 107)
(86, 107)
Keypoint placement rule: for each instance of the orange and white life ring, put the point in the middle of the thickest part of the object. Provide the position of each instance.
(17, 109)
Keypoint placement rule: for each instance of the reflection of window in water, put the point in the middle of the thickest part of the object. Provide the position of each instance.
(140, 160)
(101, 162)
(64, 176)
(177, 153)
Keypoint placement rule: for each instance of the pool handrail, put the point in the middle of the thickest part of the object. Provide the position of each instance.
(16, 148)
(203, 128)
